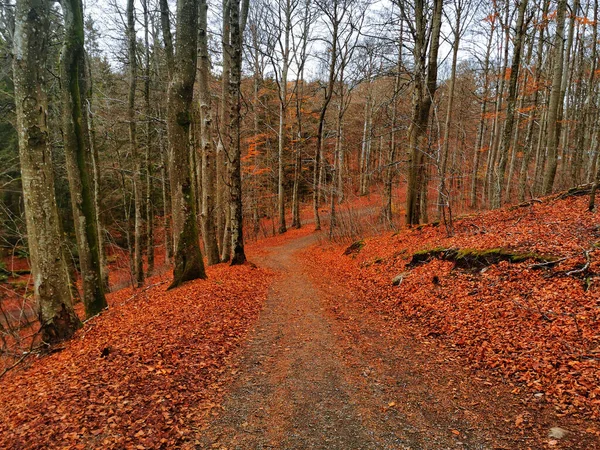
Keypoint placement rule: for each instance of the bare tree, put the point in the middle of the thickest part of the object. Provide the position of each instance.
(425, 30)
(137, 175)
(553, 128)
(78, 156)
(209, 174)
(48, 266)
(188, 259)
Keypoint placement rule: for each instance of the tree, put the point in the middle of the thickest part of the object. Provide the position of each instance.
(282, 24)
(237, 22)
(209, 175)
(137, 175)
(78, 156)
(511, 102)
(187, 257)
(553, 128)
(51, 281)
(425, 31)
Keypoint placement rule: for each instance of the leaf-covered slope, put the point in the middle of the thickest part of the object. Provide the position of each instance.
(143, 372)
(536, 326)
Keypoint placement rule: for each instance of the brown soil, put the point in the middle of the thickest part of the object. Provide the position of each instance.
(321, 371)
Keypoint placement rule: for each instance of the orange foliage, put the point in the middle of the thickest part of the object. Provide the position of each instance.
(536, 328)
(147, 371)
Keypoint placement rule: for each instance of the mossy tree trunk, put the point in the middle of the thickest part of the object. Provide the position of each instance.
(188, 259)
(425, 85)
(48, 266)
(78, 156)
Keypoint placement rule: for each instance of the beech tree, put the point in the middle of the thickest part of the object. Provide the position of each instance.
(209, 172)
(188, 263)
(137, 169)
(238, 13)
(78, 156)
(49, 270)
(425, 31)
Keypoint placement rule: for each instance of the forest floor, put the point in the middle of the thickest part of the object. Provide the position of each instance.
(317, 347)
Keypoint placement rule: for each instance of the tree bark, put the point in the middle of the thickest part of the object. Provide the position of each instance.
(78, 156)
(188, 259)
(138, 263)
(238, 16)
(553, 127)
(424, 91)
(48, 266)
(209, 175)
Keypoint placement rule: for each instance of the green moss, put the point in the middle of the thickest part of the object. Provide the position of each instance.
(469, 258)
(354, 248)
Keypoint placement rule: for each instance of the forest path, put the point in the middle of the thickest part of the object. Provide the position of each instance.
(300, 387)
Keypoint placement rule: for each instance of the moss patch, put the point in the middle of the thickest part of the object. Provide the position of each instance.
(469, 258)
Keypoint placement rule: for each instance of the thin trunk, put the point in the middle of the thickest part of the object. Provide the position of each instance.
(391, 159)
(138, 263)
(529, 139)
(96, 178)
(148, 156)
(510, 108)
(482, 120)
(553, 127)
(444, 194)
(209, 175)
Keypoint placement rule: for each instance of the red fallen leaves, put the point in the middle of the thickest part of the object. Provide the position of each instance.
(539, 329)
(141, 375)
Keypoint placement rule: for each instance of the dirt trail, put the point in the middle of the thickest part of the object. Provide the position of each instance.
(294, 389)
(315, 377)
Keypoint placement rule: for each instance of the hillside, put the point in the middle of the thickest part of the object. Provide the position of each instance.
(414, 339)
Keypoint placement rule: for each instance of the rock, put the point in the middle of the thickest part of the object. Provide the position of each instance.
(557, 433)
(397, 280)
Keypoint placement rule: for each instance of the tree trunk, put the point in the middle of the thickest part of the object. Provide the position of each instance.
(529, 139)
(148, 157)
(138, 263)
(237, 21)
(553, 127)
(391, 159)
(444, 196)
(209, 234)
(223, 210)
(424, 90)
(96, 179)
(317, 175)
(510, 108)
(481, 129)
(48, 267)
(188, 259)
(78, 157)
